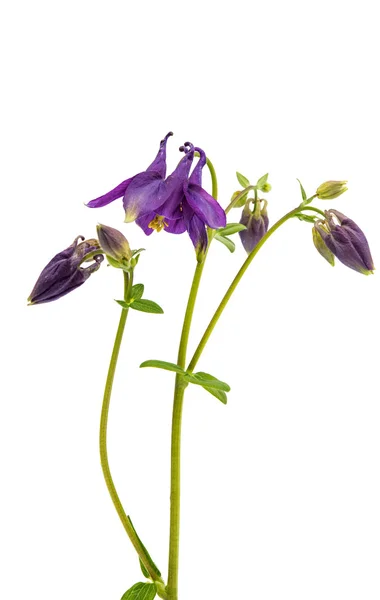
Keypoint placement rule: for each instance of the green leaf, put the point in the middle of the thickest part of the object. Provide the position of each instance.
(152, 564)
(231, 228)
(307, 218)
(146, 306)
(205, 379)
(262, 181)
(143, 569)
(244, 182)
(137, 291)
(304, 195)
(123, 303)
(227, 242)
(140, 591)
(222, 396)
(163, 364)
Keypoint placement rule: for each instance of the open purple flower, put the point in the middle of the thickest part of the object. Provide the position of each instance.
(346, 241)
(175, 204)
(64, 272)
(146, 182)
(184, 204)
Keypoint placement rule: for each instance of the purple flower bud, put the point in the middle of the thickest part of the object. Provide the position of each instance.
(256, 222)
(114, 243)
(64, 272)
(346, 241)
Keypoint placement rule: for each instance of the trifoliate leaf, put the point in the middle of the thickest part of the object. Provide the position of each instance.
(231, 228)
(137, 291)
(226, 241)
(244, 182)
(163, 364)
(140, 591)
(146, 306)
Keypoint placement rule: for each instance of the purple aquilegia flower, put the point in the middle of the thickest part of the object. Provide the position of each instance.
(256, 223)
(185, 205)
(64, 272)
(346, 241)
(176, 204)
(146, 182)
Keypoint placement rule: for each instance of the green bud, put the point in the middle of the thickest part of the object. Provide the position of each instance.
(331, 189)
(321, 247)
(266, 187)
(113, 243)
(242, 200)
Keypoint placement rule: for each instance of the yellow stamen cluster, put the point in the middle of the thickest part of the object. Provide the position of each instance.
(158, 223)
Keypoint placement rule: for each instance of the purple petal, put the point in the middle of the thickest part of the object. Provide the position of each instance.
(159, 163)
(172, 192)
(176, 226)
(197, 233)
(205, 206)
(144, 195)
(196, 176)
(114, 194)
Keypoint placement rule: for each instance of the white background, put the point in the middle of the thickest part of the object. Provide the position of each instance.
(281, 489)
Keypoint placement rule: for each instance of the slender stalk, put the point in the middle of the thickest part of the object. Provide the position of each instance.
(234, 285)
(141, 551)
(179, 390)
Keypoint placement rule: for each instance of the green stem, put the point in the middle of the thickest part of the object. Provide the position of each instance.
(141, 551)
(234, 285)
(179, 390)
(317, 210)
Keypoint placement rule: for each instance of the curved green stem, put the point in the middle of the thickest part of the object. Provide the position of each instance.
(141, 551)
(234, 285)
(315, 209)
(179, 390)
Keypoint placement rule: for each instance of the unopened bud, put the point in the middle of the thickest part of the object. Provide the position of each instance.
(346, 241)
(113, 243)
(331, 189)
(256, 223)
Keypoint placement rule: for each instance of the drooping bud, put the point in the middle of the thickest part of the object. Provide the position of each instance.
(256, 223)
(331, 189)
(346, 241)
(64, 273)
(321, 246)
(113, 243)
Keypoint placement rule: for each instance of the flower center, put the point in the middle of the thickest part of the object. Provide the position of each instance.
(158, 223)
